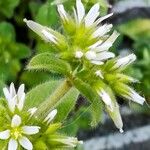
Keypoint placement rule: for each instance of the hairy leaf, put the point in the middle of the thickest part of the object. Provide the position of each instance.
(49, 62)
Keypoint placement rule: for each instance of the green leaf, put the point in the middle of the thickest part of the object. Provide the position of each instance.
(40, 93)
(49, 62)
(7, 31)
(138, 29)
(91, 95)
(7, 7)
(47, 15)
(67, 104)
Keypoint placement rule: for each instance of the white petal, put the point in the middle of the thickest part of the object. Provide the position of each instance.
(32, 110)
(106, 98)
(4, 134)
(104, 56)
(50, 37)
(103, 18)
(12, 90)
(97, 62)
(90, 55)
(123, 62)
(20, 91)
(21, 101)
(99, 74)
(75, 15)
(50, 116)
(103, 47)
(12, 104)
(136, 97)
(36, 27)
(113, 37)
(25, 143)
(102, 30)
(92, 15)
(62, 12)
(12, 145)
(29, 130)
(7, 94)
(95, 44)
(16, 121)
(80, 10)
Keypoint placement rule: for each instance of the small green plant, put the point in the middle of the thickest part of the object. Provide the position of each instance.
(79, 54)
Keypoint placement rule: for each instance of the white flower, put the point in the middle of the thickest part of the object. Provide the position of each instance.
(50, 116)
(15, 99)
(125, 61)
(94, 52)
(99, 40)
(16, 134)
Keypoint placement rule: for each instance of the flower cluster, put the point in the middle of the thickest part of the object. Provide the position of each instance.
(17, 132)
(94, 48)
(84, 45)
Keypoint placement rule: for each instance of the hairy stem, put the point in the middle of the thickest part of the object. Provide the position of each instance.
(54, 99)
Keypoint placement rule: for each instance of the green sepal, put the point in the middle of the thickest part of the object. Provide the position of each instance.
(91, 95)
(53, 128)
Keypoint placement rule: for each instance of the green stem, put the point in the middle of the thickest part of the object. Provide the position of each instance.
(49, 104)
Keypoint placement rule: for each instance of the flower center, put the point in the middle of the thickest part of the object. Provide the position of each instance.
(16, 133)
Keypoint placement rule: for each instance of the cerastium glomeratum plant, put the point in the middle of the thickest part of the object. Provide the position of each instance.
(81, 56)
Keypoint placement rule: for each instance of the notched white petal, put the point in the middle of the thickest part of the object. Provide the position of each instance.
(125, 61)
(50, 116)
(102, 30)
(106, 98)
(90, 55)
(16, 121)
(49, 36)
(32, 110)
(104, 56)
(4, 134)
(136, 97)
(103, 18)
(20, 91)
(7, 94)
(29, 130)
(12, 90)
(97, 62)
(80, 10)
(12, 145)
(63, 14)
(25, 143)
(92, 15)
